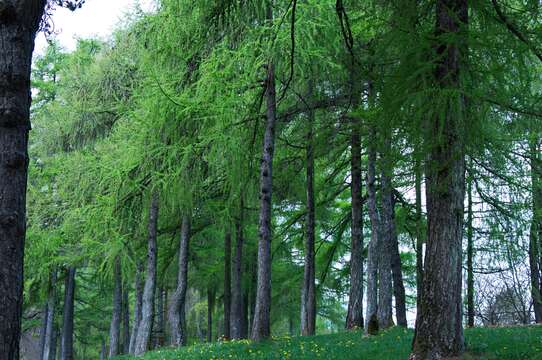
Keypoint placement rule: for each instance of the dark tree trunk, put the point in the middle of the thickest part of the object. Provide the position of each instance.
(147, 307)
(19, 22)
(67, 327)
(177, 316)
(439, 330)
(397, 274)
(248, 310)
(227, 284)
(354, 318)
(210, 309)
(470, 257)
(261, 328)
(371, 315)
(237, 306)
(308, 291)
(419, 235)
(160, 332)
(54, 344)
(385, 284)
(138, 304)
(48, 352)
(250, 300)
(125, 319)
(114, 330)
(43, 329)
(535, 238)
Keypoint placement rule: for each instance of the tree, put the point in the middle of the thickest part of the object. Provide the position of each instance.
(20, 22)
(68, 315)
(261, 328)
(308, 291)
(114, 331)
(439, 328)
(227, 285)
(147, 307)
(177, 316)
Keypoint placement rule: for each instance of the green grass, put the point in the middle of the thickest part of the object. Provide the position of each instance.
(483, 343)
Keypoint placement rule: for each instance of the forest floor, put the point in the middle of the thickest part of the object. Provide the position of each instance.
(502, 343)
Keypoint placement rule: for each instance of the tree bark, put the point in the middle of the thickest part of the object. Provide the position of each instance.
(138, 304)
(43, 329)
(371, 315)
(261, 328)
(147, 308)
(177, 319)
(354, 318)
(19, 22)
(419, 235)
(67, 327)
(397, 273)
(160, 333)
(470, 257)
(251, 304)
(114, 329)
(237, 306)
(535, 240)
(54, 344)
(227, 284)
(47, 353)
(308, 291)
(125, 319)
(249, 299)
(439, 330)
(210, 309)
(385, 285)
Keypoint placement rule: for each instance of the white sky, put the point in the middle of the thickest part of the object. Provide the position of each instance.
(95, 18)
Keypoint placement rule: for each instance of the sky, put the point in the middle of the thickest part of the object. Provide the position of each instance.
(95, 18)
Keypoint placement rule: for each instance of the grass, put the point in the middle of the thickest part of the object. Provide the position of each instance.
(502, 343)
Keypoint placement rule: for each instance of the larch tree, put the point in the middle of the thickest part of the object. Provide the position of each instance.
(439, 326)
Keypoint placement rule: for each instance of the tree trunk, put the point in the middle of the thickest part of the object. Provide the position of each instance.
(114, 330)
(354, 318)
(177, 307)
(397, 273)
(249, 299)
(535, 240)
(43, 329)
(470, 256)
(308, 291)
(227, 284)
(237, 306)
(385, 285)
(67, 327)
(419, 235)
(138, 304)
(261, 329)
(160, 333)
(371, 317)
(19, 21)
(48, 351)
(147, 307)
(54, 344)
(210, 309)
(439, 330)
(125, 319)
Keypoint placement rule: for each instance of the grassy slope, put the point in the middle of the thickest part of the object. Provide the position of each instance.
(483, 343)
